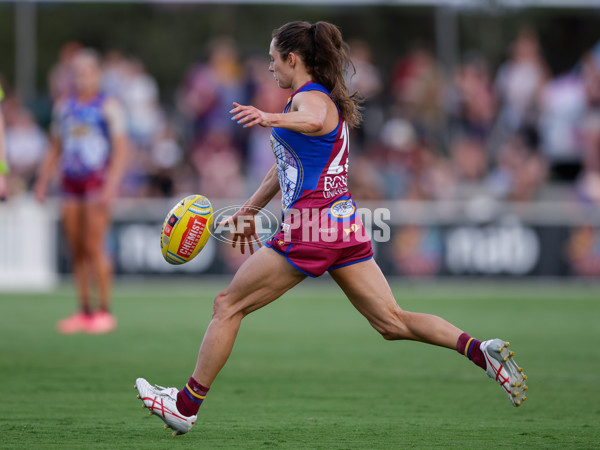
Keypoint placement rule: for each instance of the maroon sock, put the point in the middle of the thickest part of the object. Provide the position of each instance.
(469, 347)
(191, 397)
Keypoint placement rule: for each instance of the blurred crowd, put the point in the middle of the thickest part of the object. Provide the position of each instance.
(518, 132)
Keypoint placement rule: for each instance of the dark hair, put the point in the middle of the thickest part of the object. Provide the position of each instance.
(325, 55)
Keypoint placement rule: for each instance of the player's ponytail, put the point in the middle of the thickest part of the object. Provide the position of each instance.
(325, 55)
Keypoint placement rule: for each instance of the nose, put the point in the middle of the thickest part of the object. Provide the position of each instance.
(271, 67)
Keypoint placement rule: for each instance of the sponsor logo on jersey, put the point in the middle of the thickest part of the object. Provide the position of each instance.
(353, 228)
(342, 209)
(191, 236)
(335, 185)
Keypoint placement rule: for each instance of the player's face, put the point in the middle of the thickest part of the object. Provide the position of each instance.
(86, 74)
(280, 68)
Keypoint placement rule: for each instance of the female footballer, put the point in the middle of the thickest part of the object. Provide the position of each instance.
(310, 143)
(88, 139)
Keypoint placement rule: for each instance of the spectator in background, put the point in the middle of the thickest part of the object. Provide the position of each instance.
(367, 83)
(469, 161)
(139, 96)
(520, 80)
(416, 89)
(521, 169)
(210, 88)
(588, 180)
(471, 102)
(26, 145)
(217, 160)
(166, 157)
(407, 166)
(563, 104)
(60, 79)
(114, 73)
(127, 80)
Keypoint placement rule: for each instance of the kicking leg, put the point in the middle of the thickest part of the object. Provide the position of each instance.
(263, 278)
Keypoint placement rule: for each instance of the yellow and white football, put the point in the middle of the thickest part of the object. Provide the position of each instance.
(186, 229)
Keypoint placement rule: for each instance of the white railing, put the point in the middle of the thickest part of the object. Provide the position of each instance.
(27, 246)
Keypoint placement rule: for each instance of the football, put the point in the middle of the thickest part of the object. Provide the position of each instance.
(186, 229)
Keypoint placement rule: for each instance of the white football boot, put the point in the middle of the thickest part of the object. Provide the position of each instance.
(501, 367)
(162, 402)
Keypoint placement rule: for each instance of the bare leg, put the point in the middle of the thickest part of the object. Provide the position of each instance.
(72, 216)
(264, 277)
(368, 290)
(97, 223)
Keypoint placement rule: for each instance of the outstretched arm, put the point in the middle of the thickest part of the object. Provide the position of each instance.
(308, 114)
(244, 218)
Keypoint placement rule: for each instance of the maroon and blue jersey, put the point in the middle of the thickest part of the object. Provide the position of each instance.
(317, 207)
(84, 133)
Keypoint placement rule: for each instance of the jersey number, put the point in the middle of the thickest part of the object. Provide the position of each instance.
(335, 168)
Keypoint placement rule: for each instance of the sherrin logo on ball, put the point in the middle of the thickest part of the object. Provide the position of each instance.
(186, 229)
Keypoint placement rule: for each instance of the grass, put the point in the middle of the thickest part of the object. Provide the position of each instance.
(306, 372)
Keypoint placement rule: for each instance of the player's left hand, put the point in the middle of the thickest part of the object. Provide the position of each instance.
(249, 116)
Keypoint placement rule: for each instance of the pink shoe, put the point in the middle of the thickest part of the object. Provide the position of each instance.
(75, 323)
(102, 322)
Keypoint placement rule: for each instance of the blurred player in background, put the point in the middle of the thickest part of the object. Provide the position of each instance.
(3, 162)
(310, 143)
(89, 144)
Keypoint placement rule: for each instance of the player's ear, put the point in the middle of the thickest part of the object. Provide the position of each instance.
(292, 59)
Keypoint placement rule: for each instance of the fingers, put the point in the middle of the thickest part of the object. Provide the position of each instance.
(246, 241)
(248, 116)
(244, 116)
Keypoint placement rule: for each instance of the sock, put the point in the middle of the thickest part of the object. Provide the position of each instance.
(469, 347)
(191, 397)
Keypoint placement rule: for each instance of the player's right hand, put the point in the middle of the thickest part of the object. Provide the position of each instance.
(245, 231)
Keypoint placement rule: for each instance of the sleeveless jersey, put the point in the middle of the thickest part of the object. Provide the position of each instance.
(85, 138)
(317, 208)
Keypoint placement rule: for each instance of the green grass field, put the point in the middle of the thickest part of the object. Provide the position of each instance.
(306, 372)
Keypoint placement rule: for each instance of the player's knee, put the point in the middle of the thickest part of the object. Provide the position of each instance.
(91, 248)
(78, 252)
(224, 306)
(394, 328)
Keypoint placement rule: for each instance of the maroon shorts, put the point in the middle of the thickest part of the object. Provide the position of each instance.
(87, 188)
(315, 261)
